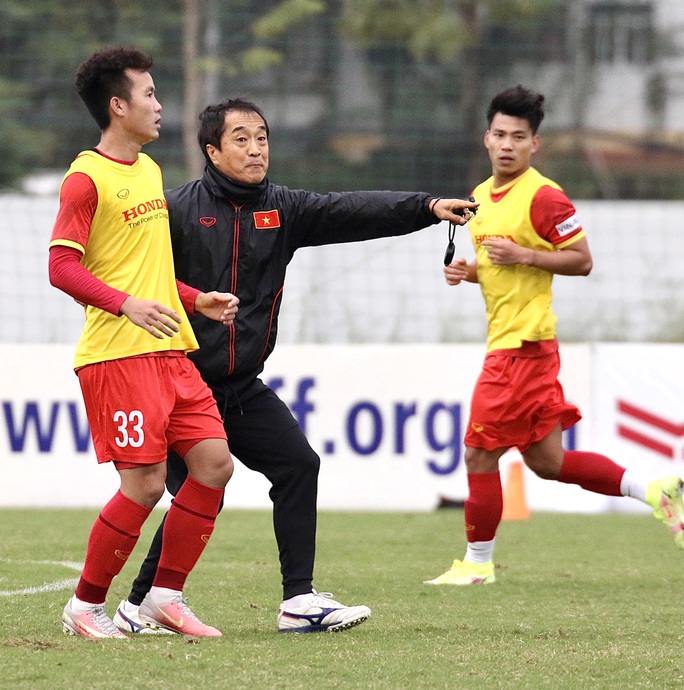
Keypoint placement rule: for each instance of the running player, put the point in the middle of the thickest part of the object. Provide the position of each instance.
(525, 231)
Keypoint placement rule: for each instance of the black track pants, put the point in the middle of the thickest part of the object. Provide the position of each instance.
(265, 437)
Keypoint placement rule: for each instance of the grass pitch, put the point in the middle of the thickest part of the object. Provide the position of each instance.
(579, 602)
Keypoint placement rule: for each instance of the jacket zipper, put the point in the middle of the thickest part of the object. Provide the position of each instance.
(234, 285)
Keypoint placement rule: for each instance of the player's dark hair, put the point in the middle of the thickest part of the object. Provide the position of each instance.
(103, 76)
(213, 121)
(518, 102)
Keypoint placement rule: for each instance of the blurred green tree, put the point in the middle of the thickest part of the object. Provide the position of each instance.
(41, 44)
(205, 62)
(450, 41)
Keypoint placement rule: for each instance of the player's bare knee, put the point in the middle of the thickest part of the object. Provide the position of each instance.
(144, 484)
(225, 470)
(544, 468)
(145, 493)
(479, 460)
(545, 473)
(214, 475)
(209, 462)
(154, 493)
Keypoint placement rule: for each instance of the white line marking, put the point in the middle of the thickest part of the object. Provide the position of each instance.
(48, 586)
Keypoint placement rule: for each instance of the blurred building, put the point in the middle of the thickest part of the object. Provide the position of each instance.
(616, 96)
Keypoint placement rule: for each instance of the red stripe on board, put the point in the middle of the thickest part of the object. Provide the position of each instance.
(644, 440)
(652, 419)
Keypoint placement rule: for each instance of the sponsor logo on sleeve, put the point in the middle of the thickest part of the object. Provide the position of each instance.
(568, 226)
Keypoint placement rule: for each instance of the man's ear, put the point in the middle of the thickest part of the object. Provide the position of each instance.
(116, 105)
(536, 141)
(211, 152)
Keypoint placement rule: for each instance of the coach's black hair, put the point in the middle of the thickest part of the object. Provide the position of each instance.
(213, 121)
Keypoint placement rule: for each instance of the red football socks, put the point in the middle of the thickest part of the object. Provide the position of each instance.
(484, 506)
(189, 524)
(112, 538)
(592, 472)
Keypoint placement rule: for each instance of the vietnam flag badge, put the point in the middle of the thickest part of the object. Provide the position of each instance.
(266, 219)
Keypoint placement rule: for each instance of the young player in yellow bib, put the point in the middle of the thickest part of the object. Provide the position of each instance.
(526, 230)
(111, 251)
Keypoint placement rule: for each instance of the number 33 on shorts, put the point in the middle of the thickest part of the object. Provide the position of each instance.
(130, 429)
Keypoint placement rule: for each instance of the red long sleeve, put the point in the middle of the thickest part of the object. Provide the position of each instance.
(78, 199)
(188, 296)
(69, 275)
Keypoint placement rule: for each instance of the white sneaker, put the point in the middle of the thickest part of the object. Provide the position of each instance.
(129, 622)
(321, 613)
(175, 615)
(93, 623)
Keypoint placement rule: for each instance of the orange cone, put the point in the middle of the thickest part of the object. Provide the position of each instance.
(514, 503)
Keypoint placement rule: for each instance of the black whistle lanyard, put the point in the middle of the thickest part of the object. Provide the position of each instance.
(451, 247)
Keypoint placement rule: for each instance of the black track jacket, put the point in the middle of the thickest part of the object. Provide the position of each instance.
(240, 238)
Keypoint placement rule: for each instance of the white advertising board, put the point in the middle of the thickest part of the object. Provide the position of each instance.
(638, 394)
(46, 454)
(387, 421)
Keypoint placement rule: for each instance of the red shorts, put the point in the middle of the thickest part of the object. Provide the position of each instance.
(139, 408)
(518, 399)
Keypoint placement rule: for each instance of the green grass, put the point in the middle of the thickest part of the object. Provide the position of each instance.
(579, 602)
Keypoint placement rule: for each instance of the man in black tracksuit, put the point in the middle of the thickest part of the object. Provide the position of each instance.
(234, 231)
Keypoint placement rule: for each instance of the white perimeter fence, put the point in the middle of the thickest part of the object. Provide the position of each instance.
(393, 291)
